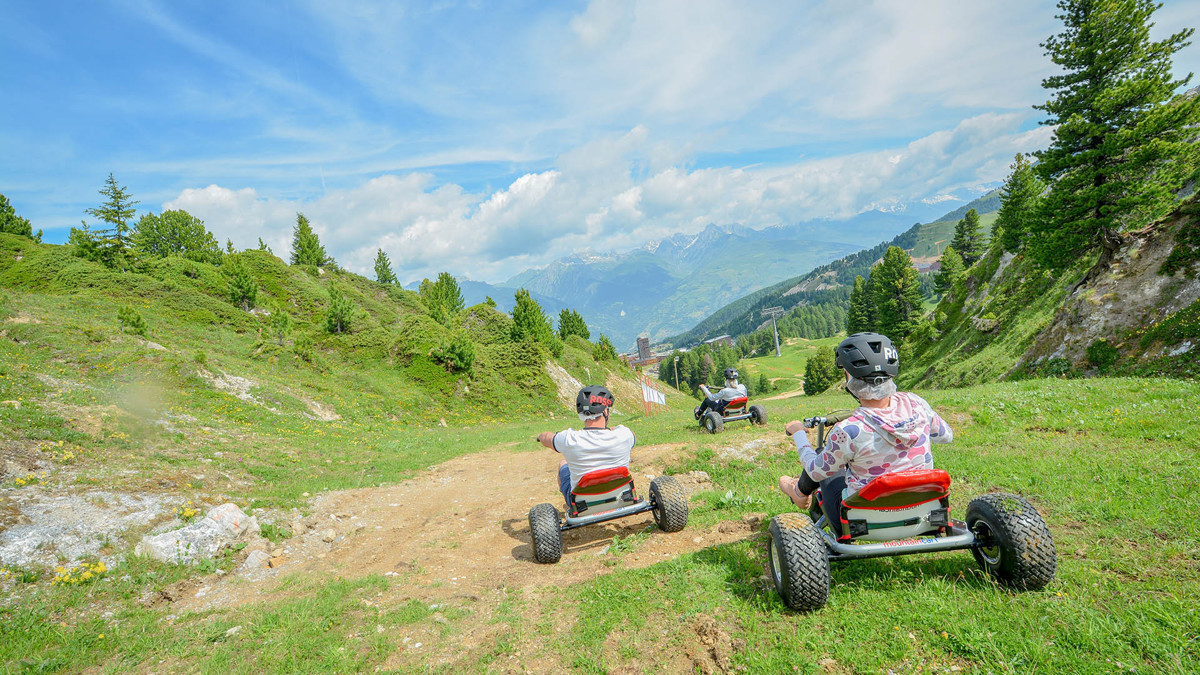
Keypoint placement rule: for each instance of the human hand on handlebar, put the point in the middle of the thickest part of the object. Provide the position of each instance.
(792, 427)
(546, 438)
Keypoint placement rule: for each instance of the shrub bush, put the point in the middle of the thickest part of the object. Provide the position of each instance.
(130, 321)
(1101, 355)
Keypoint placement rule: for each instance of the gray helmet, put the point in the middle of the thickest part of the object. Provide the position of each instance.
(731, 373)
(593, 399)
(868, 356)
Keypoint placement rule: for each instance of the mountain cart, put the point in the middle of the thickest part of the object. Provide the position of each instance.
(601, 496)
(902, 514)
(737, 409)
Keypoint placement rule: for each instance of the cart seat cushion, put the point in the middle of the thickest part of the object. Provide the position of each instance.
(904, 488)
(739, 402)
(601, 481)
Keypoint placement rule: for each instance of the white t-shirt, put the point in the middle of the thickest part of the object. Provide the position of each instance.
(595, 448)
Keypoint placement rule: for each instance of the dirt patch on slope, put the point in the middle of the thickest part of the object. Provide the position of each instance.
(461, 529)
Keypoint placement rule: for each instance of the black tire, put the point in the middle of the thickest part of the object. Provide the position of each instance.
(546, 535)
(1016, 546)
(799, 562)
(758, 415)
(670, 504)
(712, 422)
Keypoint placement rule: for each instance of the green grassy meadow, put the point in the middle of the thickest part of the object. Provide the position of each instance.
(1110, 463)
(786, 371)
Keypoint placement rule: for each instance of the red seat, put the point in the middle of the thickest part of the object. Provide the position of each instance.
(925, 480)
(739, 402)
(601, 481)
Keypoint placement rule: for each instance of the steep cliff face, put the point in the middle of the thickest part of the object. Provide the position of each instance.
(1133, 301)
(1009, 319)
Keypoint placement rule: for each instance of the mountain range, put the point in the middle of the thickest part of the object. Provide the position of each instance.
(744, 315)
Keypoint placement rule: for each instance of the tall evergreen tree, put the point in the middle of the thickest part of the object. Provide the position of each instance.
(306, 245)
(858, 319)
(968, 238)
(529, 321)
(1018, 204)
(897, 294)
(951, 273)
(383, 268)
(117, 210)
(1122, 145)
(571, 322)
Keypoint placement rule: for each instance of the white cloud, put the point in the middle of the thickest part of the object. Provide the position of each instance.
(596, 198)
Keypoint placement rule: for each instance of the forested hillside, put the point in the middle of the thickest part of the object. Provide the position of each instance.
(826, 289)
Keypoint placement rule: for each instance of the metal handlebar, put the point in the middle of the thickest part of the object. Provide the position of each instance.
(828, 420)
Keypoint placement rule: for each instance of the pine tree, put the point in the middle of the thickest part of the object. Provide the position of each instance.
(968, 238)
(1018, 203)
(951, 273)
(338, 314)
(281, 323)
(764, 383)
(443, 298)
(306, 245)
(383, 268)
(117, 210)
(820, 371)
(10, 222)
(243, 288)
(1121, 146)
(529, 321)
(175, 233)
(130, 321)
(571, 322)
(604, 350)
(858, 319)
(897, 292)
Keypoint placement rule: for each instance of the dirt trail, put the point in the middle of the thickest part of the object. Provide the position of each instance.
(460, 530)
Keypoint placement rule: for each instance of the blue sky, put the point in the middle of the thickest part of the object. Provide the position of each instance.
(483, 140)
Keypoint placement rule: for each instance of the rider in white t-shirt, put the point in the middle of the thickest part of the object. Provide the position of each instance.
(593, 447)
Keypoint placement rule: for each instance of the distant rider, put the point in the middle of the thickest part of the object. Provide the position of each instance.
(720, 400)
(593, 447)
(889, 432)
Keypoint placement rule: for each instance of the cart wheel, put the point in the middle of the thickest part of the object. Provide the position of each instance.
(758, 415)
(1015, 545)
(799, 562)
(713, 422)
(670, 504)
(547, 537)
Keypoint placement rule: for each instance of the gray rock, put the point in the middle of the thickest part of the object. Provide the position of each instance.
(201, 540)
(257, 560)
(328, 536)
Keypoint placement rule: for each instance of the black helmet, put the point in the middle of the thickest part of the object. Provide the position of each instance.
(593, 399)
(731, 373)
(868, 356)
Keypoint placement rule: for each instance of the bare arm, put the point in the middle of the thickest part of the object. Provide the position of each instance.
(546, 438)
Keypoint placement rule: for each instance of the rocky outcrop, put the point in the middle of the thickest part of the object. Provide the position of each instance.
(204, 539)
